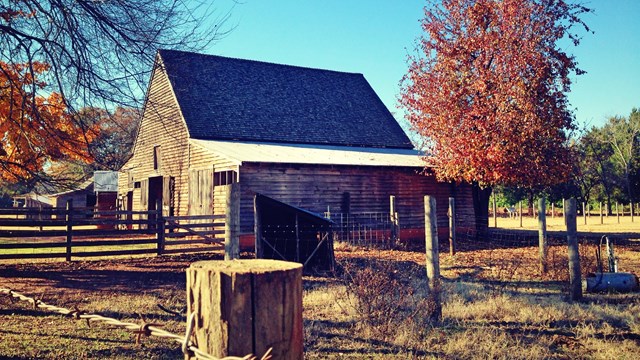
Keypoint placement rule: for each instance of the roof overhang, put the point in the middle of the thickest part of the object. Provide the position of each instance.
(256, 152)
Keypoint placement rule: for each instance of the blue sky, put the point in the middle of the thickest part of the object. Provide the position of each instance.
(374, 38)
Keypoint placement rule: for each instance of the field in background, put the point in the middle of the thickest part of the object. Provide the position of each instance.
(610, 224)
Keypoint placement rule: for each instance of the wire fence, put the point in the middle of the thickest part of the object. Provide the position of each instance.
(369, 229)
(507, 253)
(144, 329)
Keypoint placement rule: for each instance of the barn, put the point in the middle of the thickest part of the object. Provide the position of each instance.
(314, 139)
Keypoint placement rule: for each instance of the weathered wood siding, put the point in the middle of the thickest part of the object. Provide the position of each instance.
(162, 125)
(201, 159)
(318, 187)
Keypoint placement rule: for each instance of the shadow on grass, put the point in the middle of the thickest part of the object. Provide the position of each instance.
(124, 281)
(561, 328)
(67, 336)
(341, 344)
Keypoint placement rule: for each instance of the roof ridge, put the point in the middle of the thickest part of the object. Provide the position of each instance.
(160, 51)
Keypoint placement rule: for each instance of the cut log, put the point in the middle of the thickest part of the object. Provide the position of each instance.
(246, 307)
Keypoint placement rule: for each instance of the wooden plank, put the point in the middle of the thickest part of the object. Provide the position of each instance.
(115, 252)
(31, 233)
(32, 222)
(194, 217)
(94, 243)
(35, 245)
(114, 232)
(199, 233)
(192, 242)
(173, 224)
(32, 256)
(192, 250)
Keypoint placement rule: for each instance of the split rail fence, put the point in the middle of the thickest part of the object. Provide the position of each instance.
(79, 232)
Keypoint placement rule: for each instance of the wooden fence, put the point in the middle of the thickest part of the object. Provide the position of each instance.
(47, 233)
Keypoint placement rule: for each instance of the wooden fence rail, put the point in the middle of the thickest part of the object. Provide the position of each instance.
(49, 233)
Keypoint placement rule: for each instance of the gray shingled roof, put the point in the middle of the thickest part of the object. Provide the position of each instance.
(232, 99)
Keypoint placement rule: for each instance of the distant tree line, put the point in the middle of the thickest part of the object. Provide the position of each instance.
(606, 167)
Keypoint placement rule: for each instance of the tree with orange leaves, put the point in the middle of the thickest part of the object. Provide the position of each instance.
(58, 57)
(35, 129)
(488, 92)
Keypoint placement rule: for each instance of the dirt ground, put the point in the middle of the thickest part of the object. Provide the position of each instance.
(130, 289)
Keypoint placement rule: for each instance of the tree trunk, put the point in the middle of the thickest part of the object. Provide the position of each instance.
(246, 307)
(481, 208)
(530, 206)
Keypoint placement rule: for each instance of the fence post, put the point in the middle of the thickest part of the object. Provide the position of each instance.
(452, 226)
(246, 307)
(564, 211)
(433, 257)
(601, 214)
(495, 215)
(69, 221)
(257, 228)
(584, 212)
(393, 216)
(159, 227)
(631, 210)
(575, 277)
(553, 210)
(617, 213)
(542, 234)
(232, 223)
(520, 213)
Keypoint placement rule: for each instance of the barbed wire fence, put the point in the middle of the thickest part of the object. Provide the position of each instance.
(146, 329)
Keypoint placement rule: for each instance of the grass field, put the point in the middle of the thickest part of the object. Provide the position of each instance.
(495, 306)
(609, 224)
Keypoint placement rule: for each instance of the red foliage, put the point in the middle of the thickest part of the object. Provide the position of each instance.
(488, 91)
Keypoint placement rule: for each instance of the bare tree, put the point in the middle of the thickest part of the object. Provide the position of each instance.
(93, 53)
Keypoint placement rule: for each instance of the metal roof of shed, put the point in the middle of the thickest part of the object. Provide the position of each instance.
(241, 152)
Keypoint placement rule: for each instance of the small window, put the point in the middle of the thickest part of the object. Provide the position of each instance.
(225, 177)
(130, 181)
(157, 157)
(136, 185)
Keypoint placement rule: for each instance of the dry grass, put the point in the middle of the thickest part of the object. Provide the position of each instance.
(482, 320)
(495, 307)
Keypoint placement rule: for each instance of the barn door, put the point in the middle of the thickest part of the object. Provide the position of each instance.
(206, 177)
(201, 192)
(144, 194)
(168, 186)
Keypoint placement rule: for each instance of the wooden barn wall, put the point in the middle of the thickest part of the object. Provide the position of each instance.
(202, 159)
(316, 187)
(162, 125)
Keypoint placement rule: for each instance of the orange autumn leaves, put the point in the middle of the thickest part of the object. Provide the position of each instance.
(35, 128)
(488, 91)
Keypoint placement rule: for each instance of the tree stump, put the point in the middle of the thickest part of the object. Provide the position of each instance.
(246, 307)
